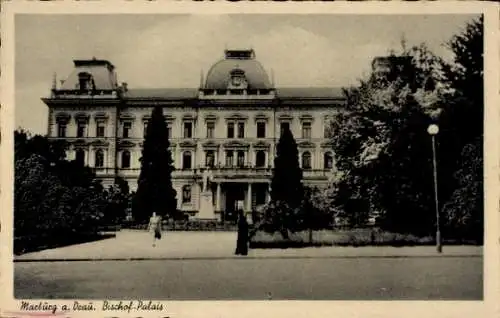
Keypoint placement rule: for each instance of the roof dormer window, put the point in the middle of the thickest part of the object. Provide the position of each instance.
(85, 81)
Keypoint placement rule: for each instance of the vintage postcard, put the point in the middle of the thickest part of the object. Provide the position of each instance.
(214, 160)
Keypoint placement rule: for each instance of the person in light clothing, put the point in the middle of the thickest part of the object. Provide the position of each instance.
(155, 227)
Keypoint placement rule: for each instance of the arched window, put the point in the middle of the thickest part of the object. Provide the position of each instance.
(186, 194)
(306, 160)
(80, 157)
(99, 158)
(186, 160)
(260, 159)
(328, 160)
(126, 159)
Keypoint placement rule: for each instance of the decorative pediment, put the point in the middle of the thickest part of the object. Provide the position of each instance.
(126, 144)
(210, 144)
(62, 117)
(306, 117)
(261, 116)
(211, 117)
(100, 143)
(284, 117)
(80, 142)
(101, 115)
(236, 144)
(188, 117)
(327, 144)
(168, 117)
(261, 145)
(127, 116)
(306, 144)
(82, 116)
(236, 116)
(187, 144)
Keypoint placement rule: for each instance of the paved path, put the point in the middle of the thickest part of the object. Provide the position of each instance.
(137, 245)
(415, 278)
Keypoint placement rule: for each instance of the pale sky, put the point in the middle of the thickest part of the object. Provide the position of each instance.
(171, 50)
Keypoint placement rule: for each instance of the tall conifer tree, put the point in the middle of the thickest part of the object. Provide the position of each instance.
(155, 192)
(286, 183)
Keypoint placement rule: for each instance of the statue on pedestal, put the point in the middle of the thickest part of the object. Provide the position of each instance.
(207, 179)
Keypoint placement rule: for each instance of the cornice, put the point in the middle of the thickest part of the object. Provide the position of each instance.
(187, 144)
(126, 144)
(236, 144)
(306, 144)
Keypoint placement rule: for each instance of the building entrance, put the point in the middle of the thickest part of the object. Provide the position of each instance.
(235, 198)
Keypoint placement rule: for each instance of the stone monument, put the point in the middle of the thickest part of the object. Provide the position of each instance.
(206, 200)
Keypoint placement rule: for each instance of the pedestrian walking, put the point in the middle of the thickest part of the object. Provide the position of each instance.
(242, 241)
(155, 227)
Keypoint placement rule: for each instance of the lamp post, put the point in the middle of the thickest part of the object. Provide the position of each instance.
(433, 130)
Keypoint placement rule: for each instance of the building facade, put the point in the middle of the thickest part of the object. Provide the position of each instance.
(229, 126)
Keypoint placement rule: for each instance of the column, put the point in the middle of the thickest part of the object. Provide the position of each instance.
(268, 193)
(218, 198)
(249, 198)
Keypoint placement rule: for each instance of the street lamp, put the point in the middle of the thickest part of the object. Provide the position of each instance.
(433, 130)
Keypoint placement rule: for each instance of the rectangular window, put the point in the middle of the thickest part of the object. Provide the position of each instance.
(229, 158)
(80, 130)
(261, 130)
(306, 130)
(326, 132)
(230, 130)
(100, 130)
(241, 130)
(284, 126)
(61, 130)
(186, 194)
(169, 130)
(127, 127)
(210, 129)
(188, 130)
(146, 123)
(241, 159)
(210, 158)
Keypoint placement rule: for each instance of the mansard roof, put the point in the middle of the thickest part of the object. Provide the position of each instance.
(187, 93)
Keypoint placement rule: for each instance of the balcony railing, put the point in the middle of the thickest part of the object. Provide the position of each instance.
(217, 172)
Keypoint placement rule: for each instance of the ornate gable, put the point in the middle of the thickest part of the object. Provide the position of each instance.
(236, 116)
(306, 144)
(187, 144)
(62, 117)
(100, 143)
(126, 144)
(261, 145)
(261, 116)
(236, 144)
(210, 145)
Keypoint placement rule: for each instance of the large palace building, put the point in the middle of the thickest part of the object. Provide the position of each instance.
(230, 126)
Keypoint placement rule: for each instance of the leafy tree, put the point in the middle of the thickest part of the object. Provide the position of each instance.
(381, 142)
(464, 211)
(462, 136)
(382, 146)
(155, 192)
(53, 197)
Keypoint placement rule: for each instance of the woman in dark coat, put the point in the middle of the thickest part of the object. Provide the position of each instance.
(242, 242)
